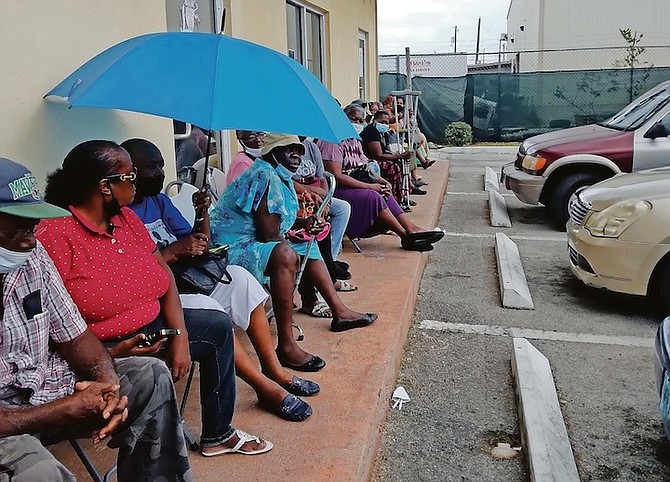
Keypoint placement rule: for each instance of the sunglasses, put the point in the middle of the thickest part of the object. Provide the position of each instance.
(122, 177)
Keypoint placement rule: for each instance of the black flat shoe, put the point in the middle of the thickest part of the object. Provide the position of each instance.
(426, 236)
(340, 273)
(344, 325)
(291, 408)
(417, 191)
(300, 386)
(342, 265)
(416, 245)
(314, 364)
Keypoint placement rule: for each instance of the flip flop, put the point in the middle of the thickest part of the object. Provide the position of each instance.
(320, 309)
(345, 286)
(243, 438)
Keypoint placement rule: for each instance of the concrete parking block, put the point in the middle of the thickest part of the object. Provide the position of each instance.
(514, 290)
(498, 210)
(543, 433)
(490, 180)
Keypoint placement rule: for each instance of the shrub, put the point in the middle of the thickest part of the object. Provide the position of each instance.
(458, 134)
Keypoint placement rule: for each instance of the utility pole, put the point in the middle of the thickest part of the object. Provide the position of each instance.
(455, 33)
(479, 29)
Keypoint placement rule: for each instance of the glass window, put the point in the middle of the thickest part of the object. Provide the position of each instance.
(304, 28)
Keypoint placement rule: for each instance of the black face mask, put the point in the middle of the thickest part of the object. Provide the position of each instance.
(112, 208)
(149, 186)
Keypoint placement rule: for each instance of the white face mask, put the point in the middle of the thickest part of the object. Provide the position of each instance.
(252, 151)
(10, 260)
(358, 127)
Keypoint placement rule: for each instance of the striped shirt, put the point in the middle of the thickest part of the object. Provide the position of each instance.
(37, 310)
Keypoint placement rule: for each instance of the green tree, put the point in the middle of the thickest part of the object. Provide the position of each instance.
(632, 60)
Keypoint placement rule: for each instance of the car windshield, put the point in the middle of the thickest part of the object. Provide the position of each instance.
(637, 113)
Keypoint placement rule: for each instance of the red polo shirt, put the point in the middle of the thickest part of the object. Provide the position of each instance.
(114, 279)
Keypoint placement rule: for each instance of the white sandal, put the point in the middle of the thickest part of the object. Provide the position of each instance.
(243, 438)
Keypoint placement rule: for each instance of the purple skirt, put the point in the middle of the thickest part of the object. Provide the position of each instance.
(366, 205)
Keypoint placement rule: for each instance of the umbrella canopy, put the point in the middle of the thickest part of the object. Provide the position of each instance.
(212, 81)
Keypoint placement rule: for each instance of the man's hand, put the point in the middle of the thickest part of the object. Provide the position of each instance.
(130, 347)
(202, 200)
(195, 244)
(101, 399)
(178, 357)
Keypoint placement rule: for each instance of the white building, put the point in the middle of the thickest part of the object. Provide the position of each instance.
(585, 24)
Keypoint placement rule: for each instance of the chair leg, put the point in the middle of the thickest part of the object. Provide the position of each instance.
(191, 442)
(356, 245)
(88, 463)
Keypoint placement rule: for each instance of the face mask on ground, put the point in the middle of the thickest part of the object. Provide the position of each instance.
(10, 260)
(358, 127)
(149, 186)
(382, 128)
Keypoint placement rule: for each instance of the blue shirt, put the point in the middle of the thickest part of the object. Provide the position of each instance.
(163, 220)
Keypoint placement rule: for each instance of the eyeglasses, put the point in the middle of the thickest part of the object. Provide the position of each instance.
(255, 135)
(122, 177)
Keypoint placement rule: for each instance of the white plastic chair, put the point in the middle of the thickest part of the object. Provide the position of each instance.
(183, 200)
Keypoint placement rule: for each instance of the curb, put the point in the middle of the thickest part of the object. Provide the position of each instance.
(513, 287)
(543, 433)
(498, 210)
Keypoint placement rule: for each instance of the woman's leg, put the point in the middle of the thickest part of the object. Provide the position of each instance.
(316, 275)
(340, 213)
(282, 269)
(259, 334)
(211, 343)
(266, 389)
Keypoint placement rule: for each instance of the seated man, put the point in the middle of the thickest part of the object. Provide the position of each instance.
(57, 381)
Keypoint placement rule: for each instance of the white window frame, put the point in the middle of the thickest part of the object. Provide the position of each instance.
(303, 9)
(363, 65)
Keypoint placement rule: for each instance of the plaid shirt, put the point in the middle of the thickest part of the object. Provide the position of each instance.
(37, 310)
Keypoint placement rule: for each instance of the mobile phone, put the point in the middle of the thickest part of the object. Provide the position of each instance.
(152, 338)
(218, 248)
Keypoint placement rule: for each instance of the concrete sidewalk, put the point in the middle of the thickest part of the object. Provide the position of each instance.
(340, 441)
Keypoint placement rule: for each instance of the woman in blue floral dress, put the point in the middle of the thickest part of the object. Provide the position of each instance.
(253, 216)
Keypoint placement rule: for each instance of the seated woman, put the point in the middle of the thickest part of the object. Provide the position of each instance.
(242, 299)
(251, 142)
(252, 217)
(124, 289)
(374, 210)
(374, 147)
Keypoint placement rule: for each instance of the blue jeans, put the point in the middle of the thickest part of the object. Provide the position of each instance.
(210, 335)
(340, 211)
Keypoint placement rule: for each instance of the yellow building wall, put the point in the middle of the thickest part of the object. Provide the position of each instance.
(43, 42)
(264, 22)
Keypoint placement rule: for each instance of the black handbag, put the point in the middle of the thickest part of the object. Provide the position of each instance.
(365, 173)
(200, 275)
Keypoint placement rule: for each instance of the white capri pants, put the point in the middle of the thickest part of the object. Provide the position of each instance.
(237, 299)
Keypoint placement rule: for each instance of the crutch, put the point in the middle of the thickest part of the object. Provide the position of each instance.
(330, 179)
(407, 134)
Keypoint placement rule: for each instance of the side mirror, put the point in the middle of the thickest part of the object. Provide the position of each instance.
(657, 130)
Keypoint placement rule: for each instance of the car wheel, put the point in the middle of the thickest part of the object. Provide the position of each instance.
(660, 292)
(558, 200)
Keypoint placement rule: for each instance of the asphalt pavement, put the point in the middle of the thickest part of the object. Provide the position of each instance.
(463, 401)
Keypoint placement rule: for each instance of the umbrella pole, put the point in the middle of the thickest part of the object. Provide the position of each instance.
(200, 217)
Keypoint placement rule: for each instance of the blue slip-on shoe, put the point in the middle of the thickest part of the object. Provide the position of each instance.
(291, 408)
(300, 386)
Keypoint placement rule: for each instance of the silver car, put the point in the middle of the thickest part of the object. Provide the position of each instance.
(619, 234)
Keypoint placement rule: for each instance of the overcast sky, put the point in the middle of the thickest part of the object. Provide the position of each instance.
(427, 26)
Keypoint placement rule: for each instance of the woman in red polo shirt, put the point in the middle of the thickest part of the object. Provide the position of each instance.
(122, 286)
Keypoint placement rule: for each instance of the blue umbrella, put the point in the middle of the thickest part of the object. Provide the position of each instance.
(212, 81)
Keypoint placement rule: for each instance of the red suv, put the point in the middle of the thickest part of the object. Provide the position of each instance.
(549, 168)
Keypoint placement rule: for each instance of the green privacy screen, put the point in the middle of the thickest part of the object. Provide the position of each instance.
(513, 106)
